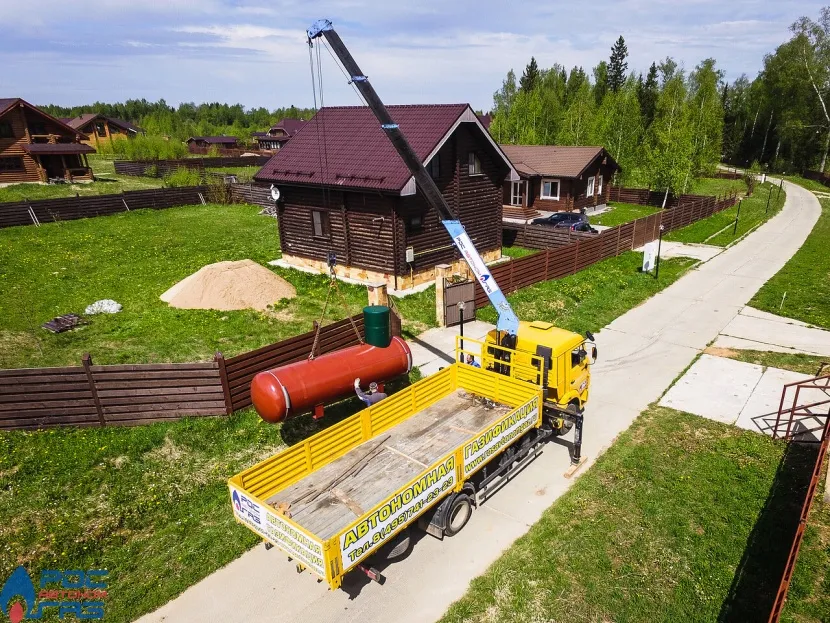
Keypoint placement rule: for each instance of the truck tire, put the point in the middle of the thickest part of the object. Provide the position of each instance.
(458, 514)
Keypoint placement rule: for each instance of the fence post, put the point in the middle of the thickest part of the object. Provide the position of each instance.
(441, 272)
(547, 260)
(86, 360)
(576, 257)
(619, 234)
(219, 358)
(634, 235)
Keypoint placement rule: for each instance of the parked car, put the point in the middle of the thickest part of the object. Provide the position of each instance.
(561, 219)
(584, 226)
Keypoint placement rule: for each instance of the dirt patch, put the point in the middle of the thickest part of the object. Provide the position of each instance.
(228, 286)
(717, 351)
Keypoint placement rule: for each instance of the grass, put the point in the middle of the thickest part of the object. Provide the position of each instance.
(811, 185)
(106, 182)
(517, 252)
(148, 503)
(133, 258)
(716, 186)
(795, 362)
(718, 229)
(620, 213)
(656, 531)
(801, 289)
(590, 299)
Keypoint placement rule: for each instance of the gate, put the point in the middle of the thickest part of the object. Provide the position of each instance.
(455, 293)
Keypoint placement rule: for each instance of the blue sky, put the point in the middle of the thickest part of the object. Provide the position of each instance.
(253, 52)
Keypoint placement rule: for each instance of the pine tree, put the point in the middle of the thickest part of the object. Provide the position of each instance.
(647, 93)
(618, 65)
(530, 76)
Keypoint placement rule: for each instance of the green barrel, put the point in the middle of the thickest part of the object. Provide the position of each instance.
(377, 323)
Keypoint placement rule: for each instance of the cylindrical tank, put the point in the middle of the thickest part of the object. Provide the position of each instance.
(298, 387)
(377, 325)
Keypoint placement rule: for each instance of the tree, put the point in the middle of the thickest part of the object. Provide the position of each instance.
(707, 116)
(575, 80)
(578, 120)
(530, 76)
(618, 65)
(669, 145)
(502, 104)
(814, 45)
(668, 69)
(647, 95)
(618, 127)
(600, 81)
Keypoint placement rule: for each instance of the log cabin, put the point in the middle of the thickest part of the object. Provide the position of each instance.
(278, 134)
(557, 178)
(204, 142)
(36, 147)
(345, 190)
(100, 128)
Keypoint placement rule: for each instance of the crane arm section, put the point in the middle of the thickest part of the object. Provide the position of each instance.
(508, 321)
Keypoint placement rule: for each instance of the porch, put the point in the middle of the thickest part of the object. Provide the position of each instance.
(61, 161)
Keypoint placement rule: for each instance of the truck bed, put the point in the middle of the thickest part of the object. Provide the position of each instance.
(329, 499)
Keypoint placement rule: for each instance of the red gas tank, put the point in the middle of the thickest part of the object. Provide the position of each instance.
(299, 387)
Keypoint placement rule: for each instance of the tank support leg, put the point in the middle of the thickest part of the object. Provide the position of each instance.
(319, 411)
(576, 458)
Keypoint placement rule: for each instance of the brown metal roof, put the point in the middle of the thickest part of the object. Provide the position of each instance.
(82, 120)
(214, 139)
(7, 103)
(553, 160)
(355, 152)
(59, 148)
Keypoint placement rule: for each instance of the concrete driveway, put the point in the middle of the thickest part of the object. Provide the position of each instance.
(641, 353)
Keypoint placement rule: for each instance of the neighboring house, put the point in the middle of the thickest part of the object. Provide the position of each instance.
(486, 119)
(344, 189)
(223, 142)
(100, 128)
(36, 147)
(557, 178)
(279, 134)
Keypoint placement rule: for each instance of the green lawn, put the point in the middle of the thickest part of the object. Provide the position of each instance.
(796, 362)
(517, 252)
(811, 185)
(106, 182)
(805, 279)
(622, 213)
(133, 258)
(716, 186)
(148, 503)
(592, 298)
(718, 229)
(656, 531)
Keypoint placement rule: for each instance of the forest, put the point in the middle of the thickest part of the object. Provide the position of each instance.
(665, 128)
(671, 126)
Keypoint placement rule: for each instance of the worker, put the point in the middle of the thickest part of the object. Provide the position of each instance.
(471, 361)
(373, 397)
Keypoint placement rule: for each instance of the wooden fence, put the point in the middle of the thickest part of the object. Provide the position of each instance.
(251, 193)
(224, 151)
(71, 208)
(818, 176)
(160, 168)
(565, 253)
(124, 395)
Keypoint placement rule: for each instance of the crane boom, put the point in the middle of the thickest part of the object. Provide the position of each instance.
(507, 321)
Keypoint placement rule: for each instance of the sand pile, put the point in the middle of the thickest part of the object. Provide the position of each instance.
(229, 285)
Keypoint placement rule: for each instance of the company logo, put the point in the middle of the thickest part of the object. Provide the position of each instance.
(80, 594)
(484, 277)
(245, 508)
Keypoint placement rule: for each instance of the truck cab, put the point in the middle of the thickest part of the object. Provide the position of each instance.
(556, 359)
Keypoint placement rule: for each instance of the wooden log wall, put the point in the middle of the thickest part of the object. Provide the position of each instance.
(71, 208)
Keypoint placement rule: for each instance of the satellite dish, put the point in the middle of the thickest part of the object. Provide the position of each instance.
(275, 193)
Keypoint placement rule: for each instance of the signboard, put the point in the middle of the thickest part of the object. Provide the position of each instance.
(281, 533)
(649, 255)
(499, 436)
(397, 511)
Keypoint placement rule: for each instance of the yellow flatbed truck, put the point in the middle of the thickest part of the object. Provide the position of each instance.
(426, 453)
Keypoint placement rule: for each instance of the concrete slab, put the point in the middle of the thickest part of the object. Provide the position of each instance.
(763, 315)
(636, 364)
(737, 343)
(702, 252)
(714, 388)
(760, 411)
(776, 333)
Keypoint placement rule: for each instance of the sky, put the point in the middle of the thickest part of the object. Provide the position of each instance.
(254, 52)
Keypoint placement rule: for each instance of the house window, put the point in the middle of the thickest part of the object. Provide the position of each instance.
(474, 164)
(550, 190)
(320, 223)
(114, 130)
(435, 167)
(101, 128)
(590, 190)
(415, 224)
(37, 127)
(6, 130)
(11, 164)
(517, 193)
(599, 186)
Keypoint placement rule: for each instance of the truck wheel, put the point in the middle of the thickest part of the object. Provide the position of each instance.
(458, 514)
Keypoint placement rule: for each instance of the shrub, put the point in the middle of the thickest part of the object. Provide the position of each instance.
(183, 176)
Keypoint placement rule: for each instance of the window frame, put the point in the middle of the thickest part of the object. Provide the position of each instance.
(522, 186)
(474, 164)
(7, 124)
(599, 185)
(20, 164)
(589, 191)
(414, 224)
(324, 223)
(435, 167)
(101, 125)
(551, 180)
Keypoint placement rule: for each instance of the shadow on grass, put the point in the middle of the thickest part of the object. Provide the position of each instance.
(759, 573)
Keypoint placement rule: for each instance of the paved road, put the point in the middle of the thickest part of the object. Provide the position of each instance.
(641, 353)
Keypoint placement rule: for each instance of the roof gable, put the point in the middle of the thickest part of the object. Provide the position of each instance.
(345, 146)
(554, 160)
(7, 104)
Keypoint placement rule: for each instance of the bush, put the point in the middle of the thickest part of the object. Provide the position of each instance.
(144, 148)
(183, 176)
